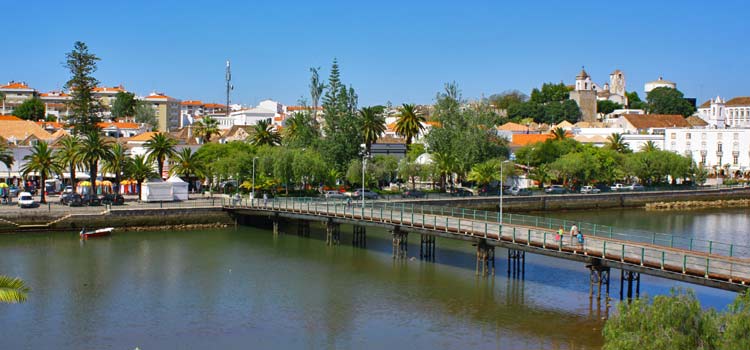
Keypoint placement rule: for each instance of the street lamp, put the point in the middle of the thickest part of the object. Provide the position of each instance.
(252, 194)
(364, 162)
(501, 190)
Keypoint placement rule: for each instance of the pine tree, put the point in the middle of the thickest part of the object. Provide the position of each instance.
(343, 132)
(84, 107)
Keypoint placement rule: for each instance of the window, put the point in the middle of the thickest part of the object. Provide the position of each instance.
(719, 147)
(703, 159)
(673, 136)
(688, 136)
(735, 160)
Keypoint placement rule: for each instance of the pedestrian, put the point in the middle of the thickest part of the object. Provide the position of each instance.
(559, 234)
(348, 202)
(573, 232)
(580, 237)
(265, 199)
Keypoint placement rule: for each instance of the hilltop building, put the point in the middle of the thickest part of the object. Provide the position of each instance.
(586, 93)
(657, 84)
(722, 114)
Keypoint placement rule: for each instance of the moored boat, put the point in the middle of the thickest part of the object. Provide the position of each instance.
(96, 233)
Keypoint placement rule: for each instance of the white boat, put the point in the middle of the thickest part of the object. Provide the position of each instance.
(96, 233)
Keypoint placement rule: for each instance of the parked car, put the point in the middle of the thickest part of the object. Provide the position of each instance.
(71, 199)
(618, 187)
(413, 194)
(590, 189)
(91, 199)
(555, 189)
(334, 195)
(489, 192)
(113, 199)
(25, 200)
(517, 191)
(461, 192)
(367, 193)
(637, 187)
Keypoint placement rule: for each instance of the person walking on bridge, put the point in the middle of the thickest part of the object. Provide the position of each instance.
(573, 232)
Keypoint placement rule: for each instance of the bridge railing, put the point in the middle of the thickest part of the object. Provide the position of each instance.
(711, 247)
(473, 223)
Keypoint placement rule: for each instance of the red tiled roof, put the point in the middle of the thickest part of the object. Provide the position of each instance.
(705, 104)
(510, 126)
(739, 101)
(119, 125)
(191, 103)
(143, 137)
(214, 105)
(302, 108)
(9, 117)
(647, 121)
(527, 139)
(15, 85)
(53, 125)
(159, 97)
(108, 89)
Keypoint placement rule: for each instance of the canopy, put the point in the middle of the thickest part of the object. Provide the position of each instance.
(3, 185)
(84, 184)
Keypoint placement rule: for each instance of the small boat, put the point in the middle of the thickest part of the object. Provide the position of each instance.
(96, 233)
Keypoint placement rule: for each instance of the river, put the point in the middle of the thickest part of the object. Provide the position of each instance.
(238, 289)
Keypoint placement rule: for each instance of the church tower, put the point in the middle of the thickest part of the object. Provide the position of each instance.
(585, 96)
(717, 116)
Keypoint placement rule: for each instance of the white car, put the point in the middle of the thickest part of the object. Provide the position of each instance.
(590, 189)
(26, 201)
(334, 195)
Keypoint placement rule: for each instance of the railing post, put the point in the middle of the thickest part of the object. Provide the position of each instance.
(610, 232)
(710, 247)
(459, 225)
(594, 229)
(643, 253)
(707, 262)
(544, 240)
(662, 260)
(671, 241)
(485, 230)
(653, 240)
(528, 237)
(446, 224)
(731, 248)
(691, 245)
(622, 255)
(514, 234)
(684, 263)
(604, 250)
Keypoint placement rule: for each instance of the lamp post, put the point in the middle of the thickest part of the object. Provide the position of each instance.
(501, 190)
(364, 162)
(252, 194)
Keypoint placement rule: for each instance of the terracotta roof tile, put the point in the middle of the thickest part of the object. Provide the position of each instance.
(119, 88)
(15, 85)
(527, 139)
(648, 121)
(143, 137)
(510, 126)
(22, 129)
(9, 117)
(739, 101)
(301, 108)
(191, 103)
(696, 121)
(52, 125)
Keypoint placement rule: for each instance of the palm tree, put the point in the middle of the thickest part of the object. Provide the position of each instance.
(265, 134)
(140, 169)
(160, 147)
(187, 163)
(207, 127)
(69, 154)
(617, 143)
(115, 163)
(316, 89)
(6, 156)
(409, 123)
(445, 164)
(541, 173)
(559, 134)
(12, 290)
(299, 129)
(649, 146)
(373, 125)
(94, 148)
(485, 173)
(42, 162)
(2, 97)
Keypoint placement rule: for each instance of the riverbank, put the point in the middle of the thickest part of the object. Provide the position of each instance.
(696, 205)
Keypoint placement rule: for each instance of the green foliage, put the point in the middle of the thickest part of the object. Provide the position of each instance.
(115, 162)
(549, 105)
(617, 143)
(507, 98)
(663, 323)
(160, 147)
(140, 169)
(736, 323)
(144, 114)
(664, 100)
(486, 172)
(124, 105)
(408, 170)
(31, 109)
(301, 131)
(373, 125)
(206, 128)
(264, 134)
(409, 122)
(654, 166)
(13, 290)
(6, 155)
(607, 106)
(41, 161)
(188, 164)
(385, 169)
(342, 124)
(94, 148)
(550, 93)
(69, 154)
(414, 151)
(83, 105)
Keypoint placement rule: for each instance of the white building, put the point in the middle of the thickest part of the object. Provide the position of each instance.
(713, 148)
(657, 84)
(720, 114)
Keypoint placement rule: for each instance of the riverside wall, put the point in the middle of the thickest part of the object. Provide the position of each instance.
(587, 201)
(126, 219)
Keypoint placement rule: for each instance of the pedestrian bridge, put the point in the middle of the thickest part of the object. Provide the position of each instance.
(708, 263)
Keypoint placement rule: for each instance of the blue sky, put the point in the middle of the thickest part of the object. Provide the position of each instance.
(398, 51)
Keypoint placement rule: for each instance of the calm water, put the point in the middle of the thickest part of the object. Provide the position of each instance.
(238, 289)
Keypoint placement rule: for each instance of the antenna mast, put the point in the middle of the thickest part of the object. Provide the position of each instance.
(229, 87)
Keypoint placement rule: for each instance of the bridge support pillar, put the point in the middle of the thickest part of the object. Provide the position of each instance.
(303, 228)
(359, 237)
(400, 243)
(275, 226)
(333, 233)
(485, 259)
(516, 263)
(630, 277)
(598, 275)
(427, 247)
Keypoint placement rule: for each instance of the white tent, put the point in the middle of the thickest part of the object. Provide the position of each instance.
(155, 190)
(179, 188)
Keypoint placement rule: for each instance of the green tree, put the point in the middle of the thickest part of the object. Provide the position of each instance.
(634, 102)
(69, 154)
(559, 134)
(736, 323)
(160, 147)
(373, 125)
(264, 134)
(42, 162)
(664, 100)
(300, 130)
(485, 173)
(607, 106)
(145, 114)
(409, 123)
(507, 98)
(187, 163)
(550, 93)
(409, 170)
(316, 89)
(649, 146)
(83, 105)
(206, 128)
(6, 156)
(140, 169)
(13, 290)
(124, 105)
(94, 148)
(115, 163)
(385, 169)
(617, 143)
(31, 109)
(342, 125)
(541, 173)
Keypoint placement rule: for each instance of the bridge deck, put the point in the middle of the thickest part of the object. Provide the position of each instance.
(714, 270)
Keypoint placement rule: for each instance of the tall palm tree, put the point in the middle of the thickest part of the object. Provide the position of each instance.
(206, 128)
(316, 89)
(94, 148)
(140, 169)
(649, 146)
(42, 162)
(160, 147)
(484, 173)
(115, 163)
(409, 123)
(373, 125)
(300, 129)
(264, 134)
(69, 155)
(6, 157)
(617, 143)
(12, 290)
(187, 163)
(559, 134)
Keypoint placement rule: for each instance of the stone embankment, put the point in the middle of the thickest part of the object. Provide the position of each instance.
(693, 205)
